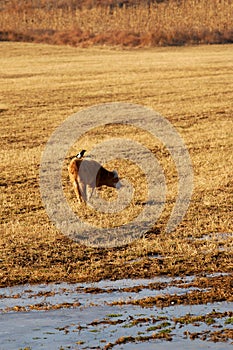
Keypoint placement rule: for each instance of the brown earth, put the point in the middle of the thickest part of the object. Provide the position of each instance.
(42, 85)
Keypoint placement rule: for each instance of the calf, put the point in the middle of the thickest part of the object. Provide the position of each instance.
(85, 172)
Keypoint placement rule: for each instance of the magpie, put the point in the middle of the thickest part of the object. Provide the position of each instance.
(80, 154)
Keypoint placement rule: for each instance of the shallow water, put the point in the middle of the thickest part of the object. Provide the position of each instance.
(175, 345)
(94, 323)
(111, 291)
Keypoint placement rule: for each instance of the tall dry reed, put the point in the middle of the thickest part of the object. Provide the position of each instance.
(168, 23)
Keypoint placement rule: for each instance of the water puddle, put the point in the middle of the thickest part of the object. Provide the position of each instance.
(106, 315)
(23, 298)
(215, 237)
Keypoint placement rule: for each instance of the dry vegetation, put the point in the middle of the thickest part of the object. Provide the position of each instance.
(42, 85)
(136, 24)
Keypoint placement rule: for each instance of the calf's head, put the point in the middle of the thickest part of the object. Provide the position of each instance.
(116, 180)
(108, 178)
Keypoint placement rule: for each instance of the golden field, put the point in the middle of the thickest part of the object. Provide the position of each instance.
(42, 85)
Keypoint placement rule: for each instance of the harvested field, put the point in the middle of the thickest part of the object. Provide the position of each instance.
(192, 87)
(42, 85)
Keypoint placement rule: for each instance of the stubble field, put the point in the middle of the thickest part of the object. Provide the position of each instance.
(192, 87)
(42, 85)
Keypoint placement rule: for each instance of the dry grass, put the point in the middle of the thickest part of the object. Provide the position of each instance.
(167, 23)
(42, 85)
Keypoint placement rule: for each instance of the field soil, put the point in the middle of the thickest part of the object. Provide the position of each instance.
(42, 85)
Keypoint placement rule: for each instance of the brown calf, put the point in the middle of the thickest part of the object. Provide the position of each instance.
(85, 172)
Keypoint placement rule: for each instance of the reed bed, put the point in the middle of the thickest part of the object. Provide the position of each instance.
(168, 23)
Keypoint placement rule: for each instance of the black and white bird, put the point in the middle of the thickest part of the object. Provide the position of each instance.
(80, 154)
